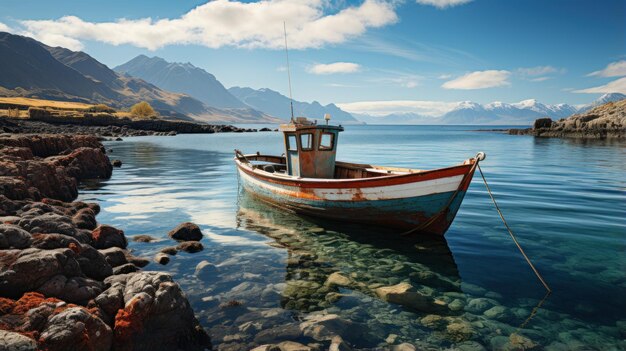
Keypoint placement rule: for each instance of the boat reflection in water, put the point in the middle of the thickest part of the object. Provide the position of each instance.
(329, 261)
(344, 270)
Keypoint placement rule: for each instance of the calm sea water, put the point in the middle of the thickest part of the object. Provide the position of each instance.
(565, 200)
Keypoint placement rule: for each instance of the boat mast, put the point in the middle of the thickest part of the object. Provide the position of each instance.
(288, 71)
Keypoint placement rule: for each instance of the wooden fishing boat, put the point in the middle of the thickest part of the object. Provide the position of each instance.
(308, 180)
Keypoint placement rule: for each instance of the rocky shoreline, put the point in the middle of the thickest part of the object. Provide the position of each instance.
(607, 121)
(113, 127)
(67, 282)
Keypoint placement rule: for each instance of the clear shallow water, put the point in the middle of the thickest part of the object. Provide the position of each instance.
(565, 199)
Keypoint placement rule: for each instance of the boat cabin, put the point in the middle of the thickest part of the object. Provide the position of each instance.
(310, 149)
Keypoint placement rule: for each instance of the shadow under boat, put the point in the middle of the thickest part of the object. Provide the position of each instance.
(368, 257)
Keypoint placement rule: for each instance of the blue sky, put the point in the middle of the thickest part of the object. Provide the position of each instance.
(422, 53)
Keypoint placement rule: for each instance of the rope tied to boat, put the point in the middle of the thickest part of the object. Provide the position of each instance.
(495, 203)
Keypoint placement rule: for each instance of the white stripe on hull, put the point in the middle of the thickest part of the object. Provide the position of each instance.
(423, 188)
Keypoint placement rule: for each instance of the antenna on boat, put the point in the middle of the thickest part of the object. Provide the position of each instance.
(288, 71)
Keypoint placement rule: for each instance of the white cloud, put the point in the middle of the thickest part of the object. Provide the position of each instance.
(334, 68)
(442, 4)
(540, 79)
(537, 71)
(226, 23)
(616, 86)
(445, 76)
(4, 27)
(614, 69)
(479, 80)
(382, 108)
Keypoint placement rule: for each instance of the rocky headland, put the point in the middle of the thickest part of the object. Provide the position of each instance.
(106, 125)
(66, 281)
(606, 121)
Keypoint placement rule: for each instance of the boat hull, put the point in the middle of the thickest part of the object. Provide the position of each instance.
(426, 201)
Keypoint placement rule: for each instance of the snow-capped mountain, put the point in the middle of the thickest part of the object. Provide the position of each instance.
(467, 112)
(606, 98)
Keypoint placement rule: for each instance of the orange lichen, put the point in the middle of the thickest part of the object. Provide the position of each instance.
(75, 248)
(6, 305)
(32, 300)
(128, 322)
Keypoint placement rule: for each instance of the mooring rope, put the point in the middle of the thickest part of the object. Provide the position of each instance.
(511, 233)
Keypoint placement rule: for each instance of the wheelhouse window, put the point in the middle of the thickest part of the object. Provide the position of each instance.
(292, 144)
(327, 141)
(306, 141)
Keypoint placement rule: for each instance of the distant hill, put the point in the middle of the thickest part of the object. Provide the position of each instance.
(521, 113)
(407, 118)
(495, 113)
(29, 68)
(181, 78)
(276, 104)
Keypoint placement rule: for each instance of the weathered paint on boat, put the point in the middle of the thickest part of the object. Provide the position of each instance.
(404, 200)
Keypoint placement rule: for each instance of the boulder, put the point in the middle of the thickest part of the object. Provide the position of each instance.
(54, 241)
(156, 315)
(16, 342)
(76, 329)
(77, 290)
(125, 269)
(186, 232)
(93, 263)
(85, 218)
(114, 256)
(542, 123)
(49, 222)
(106, 236)
(27, 270)
(14, 237)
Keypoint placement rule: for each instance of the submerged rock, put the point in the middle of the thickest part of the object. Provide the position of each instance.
(190, 246)
(143, 238)
(170, 250)
(205, 270)
(338, 279)
(161, 258)
(406, 295)
(186, 232)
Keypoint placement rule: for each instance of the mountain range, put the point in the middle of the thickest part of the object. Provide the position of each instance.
(496, 113)
(276, 104)
(202, 85)
(29, 68)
